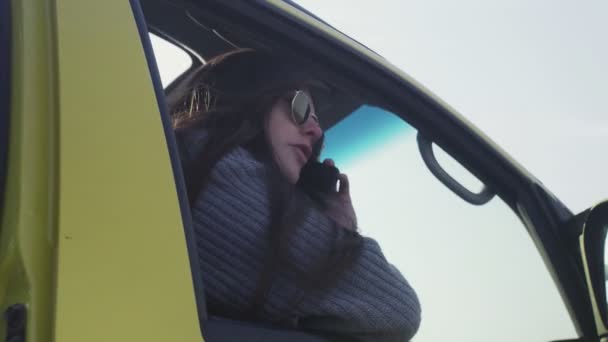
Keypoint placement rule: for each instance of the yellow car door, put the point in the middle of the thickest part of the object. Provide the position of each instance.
(92, 244)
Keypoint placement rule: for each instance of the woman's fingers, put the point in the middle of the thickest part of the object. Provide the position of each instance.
(339, 205)
(329, 162)
(344, 184)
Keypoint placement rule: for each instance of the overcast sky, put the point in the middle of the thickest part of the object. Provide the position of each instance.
(531, 74)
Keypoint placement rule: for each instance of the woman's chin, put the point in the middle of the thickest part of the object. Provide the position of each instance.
(293, 176)
(291, 171)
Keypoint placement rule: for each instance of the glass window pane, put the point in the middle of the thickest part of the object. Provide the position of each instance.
(172, 60)
(475, 269)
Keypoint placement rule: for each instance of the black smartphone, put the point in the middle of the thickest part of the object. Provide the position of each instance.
(316, 177)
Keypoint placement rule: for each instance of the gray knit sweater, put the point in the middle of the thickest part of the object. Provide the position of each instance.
(371, 301)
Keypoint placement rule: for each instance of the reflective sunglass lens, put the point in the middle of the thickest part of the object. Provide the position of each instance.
(301, 106)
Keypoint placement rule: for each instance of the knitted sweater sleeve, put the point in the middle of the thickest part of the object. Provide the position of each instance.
(370, 301)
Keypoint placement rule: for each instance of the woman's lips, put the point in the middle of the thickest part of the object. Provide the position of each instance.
(305, 149)
(301, 155)
(303, 152)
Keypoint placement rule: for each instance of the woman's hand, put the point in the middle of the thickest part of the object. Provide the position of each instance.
(339, 204)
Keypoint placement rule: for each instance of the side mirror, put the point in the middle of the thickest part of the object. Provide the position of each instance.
(595, 257)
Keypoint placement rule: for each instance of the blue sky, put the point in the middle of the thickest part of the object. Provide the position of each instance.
(365, 130)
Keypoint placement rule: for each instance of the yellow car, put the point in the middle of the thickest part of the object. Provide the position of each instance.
(96, 238)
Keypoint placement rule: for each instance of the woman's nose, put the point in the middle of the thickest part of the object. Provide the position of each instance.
(311, 128)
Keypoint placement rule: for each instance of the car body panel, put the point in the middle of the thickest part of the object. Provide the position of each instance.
(27, 237)
(120, 230)
(93, 241)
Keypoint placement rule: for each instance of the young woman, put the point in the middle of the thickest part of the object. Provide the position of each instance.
(271, 248)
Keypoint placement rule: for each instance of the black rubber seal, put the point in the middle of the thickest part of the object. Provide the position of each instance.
(15, 317)
(596, 229)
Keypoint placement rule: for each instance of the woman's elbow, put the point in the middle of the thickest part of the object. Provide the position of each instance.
(406, 317)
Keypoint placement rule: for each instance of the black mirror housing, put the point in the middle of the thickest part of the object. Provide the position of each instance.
(593, 242)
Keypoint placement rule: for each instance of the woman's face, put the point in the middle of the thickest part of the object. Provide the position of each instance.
(291, 143)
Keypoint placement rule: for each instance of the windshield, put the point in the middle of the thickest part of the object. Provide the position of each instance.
(531, 75)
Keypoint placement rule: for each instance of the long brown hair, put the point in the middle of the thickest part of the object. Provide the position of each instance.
(230, 97)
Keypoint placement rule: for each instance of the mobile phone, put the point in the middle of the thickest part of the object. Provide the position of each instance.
(316, 177)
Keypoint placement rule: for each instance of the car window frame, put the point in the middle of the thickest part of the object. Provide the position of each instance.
(447, 129)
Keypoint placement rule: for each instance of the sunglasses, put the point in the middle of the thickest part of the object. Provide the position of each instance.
(302, 108)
